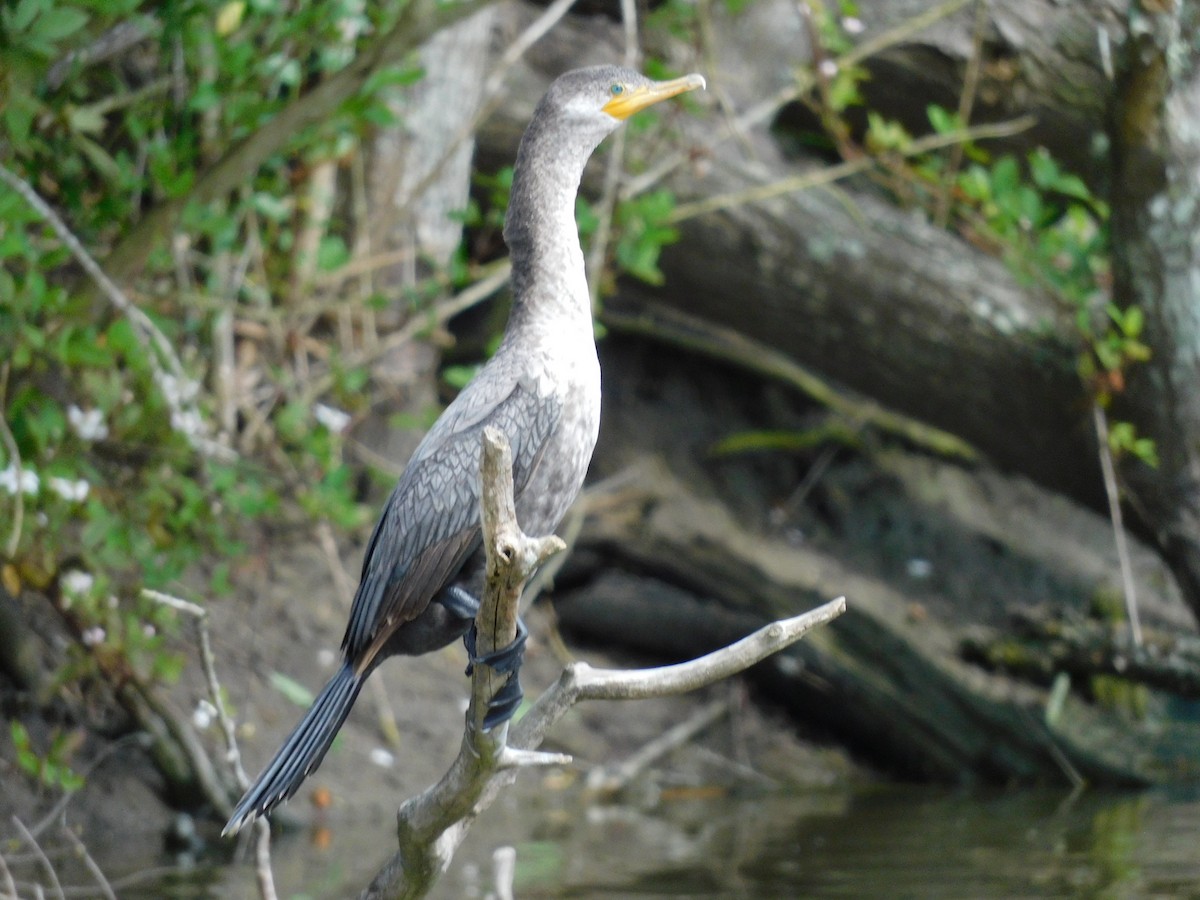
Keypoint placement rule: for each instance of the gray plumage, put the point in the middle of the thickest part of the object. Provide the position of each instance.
(541, 389)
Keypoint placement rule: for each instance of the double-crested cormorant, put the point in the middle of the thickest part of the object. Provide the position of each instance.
(423, 567)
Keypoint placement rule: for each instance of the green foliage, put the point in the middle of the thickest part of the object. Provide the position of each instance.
(642, 232)
(835, 431)
(1053, 233)
(50, 769)
(112, 491)
(292, 690)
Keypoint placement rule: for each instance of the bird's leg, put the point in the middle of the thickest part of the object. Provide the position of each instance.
(459, 602)
(506, 660)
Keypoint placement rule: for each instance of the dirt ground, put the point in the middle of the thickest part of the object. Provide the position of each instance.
(285, 617)
(273, 632)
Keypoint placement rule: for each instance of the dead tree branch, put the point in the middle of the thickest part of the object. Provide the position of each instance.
(433, 824)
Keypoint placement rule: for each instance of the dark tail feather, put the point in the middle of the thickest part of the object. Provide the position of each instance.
(302, 752)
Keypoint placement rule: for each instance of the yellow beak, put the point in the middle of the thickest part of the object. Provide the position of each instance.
(625, 104)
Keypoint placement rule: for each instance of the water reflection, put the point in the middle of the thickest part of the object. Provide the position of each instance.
(897, 842)
(893, 842)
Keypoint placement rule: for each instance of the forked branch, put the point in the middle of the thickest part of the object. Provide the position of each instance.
(433, 824)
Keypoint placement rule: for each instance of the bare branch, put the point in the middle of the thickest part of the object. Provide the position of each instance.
(262, 830)
(1113, 493)
(81, 851)
(41, 856)
(807, 180)
(168, 371)
(6, 881)
(579, 681)
(432, 825)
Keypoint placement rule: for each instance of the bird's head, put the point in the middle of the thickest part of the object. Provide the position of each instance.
(597, 99)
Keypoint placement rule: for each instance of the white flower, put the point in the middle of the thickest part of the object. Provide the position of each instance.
(12, 481)
(828, 68)
(203, 715)
(852, 25)
(177, 391)
(90, 425)
(76, 491)
(93, 636)
(333, 419)
(77, 583)
(382, 758)
(188, 422)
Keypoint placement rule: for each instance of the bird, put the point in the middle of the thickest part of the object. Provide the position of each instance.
(423, 566)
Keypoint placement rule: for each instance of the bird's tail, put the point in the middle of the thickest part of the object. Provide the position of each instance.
(302, 752)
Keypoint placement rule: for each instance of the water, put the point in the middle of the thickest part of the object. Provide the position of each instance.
(889, 842)
(885, 842)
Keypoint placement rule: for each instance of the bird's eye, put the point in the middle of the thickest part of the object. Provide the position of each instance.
(616, 89)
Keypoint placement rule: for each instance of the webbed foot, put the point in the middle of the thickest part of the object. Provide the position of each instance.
(504, 660)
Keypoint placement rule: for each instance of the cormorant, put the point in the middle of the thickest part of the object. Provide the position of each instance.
(423, 567)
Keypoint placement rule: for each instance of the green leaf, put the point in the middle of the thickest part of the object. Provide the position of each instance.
(1043, 169)
(292, 690)
(25, 12)
(1006, 177)
(393, 76)
(458, 376)
(59, 22)
(942, 120)
(1133, 321)
(332, 253)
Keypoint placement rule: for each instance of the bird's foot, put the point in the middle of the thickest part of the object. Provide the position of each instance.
(506, 660)
(459, 602)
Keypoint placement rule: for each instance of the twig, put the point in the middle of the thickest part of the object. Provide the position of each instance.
(766, 108)
(185, 416)
(598, 249)
(6, 881)
(14, 459)
(1112, 490)
(442, 312)
(581, 681)
(112, 42)
(504, 870)
(609, 780)
(64, 801)
(263, 873)
(318, 198)
(361, 216)
(41, 855)
(732, 346)
(966, 102)
(82, 852)
(433, 824)
(807, 180)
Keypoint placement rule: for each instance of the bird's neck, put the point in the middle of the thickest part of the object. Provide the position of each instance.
(548, 277)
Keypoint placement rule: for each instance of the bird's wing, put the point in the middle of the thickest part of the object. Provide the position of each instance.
(430, 525)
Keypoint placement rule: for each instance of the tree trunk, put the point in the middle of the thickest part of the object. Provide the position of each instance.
(1156, 220)
(876, 298)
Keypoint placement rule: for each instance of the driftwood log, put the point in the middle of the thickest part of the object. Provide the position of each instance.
(873, 296)
(906, 685)
(432, 824)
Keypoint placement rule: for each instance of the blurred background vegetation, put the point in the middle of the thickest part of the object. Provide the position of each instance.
(195, 312)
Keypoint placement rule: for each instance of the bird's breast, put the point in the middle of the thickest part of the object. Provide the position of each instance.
(571, 373)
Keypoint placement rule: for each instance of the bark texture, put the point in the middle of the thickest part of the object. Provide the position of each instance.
(1156, 228)
(874, 297)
